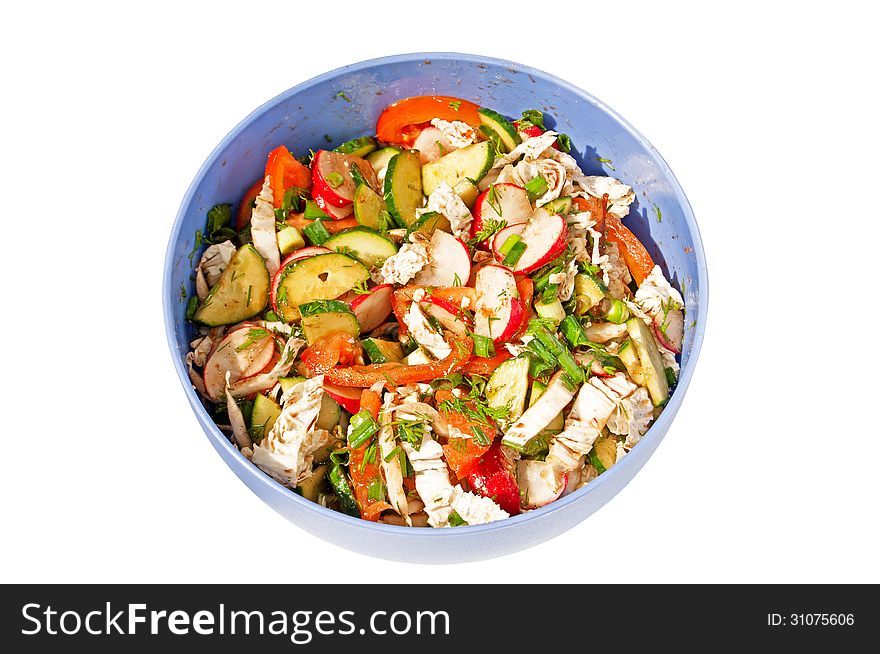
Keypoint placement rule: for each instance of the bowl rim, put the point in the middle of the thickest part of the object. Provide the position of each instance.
(656, 431)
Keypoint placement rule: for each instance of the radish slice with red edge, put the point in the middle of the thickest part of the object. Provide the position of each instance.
(332, 182)
(539, 483)
(544, 236)
(446, 313)
(673, 335)
(348, 398)
(449, 262)
(504, 201)
(373, 308)
(499, 310)
(240, 354)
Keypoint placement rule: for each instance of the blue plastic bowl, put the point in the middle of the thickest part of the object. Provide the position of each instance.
(300, 118)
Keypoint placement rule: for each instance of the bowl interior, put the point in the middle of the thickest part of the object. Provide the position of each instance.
(316, 115)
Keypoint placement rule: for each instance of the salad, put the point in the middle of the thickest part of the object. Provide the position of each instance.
(444, 324)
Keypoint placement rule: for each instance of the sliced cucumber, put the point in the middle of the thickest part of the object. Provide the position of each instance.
(551, 311)
(287, 383)
(364, 244)
(379, 159)
(263, 417)
(559, 205)
(323, 317)
(290, 240)
(369, 207)
(321, 277)
(604, 453)
(472, 162)
(380, 351)
(241, 292)
(359, 147)
(403, 187)
(589, 292)
(312, 486)
(467, 191)
(329, 415)
(508, 387)
(630, 359)
(427, 223)
(653, 374)
(501, 126)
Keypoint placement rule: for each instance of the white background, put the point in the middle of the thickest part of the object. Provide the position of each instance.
(767, 113)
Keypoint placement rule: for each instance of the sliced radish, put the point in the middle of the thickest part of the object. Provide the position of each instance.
(544, 236)
(503, 235)
(539, 483)
(372, 309)
(449, 262)
(674, 335)
(446, 313)
(507, 202)
(499, 309)
(530, 132)
(338, 213)
(432, 144)
(493, 477)
(348, 398)
(237, 356)
(332, 183)
(305, 253)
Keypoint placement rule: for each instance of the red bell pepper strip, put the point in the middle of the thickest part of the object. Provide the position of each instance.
(284, 171)
(401, 121)
(485, 367)
(330, 350)
(462, 454)
(634, 254)
(397, 374)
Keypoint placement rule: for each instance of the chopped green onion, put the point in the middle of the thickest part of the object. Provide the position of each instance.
(271, 316)
(335, 179)
(509, 242)
(483, 346)
(549, 293)
(376, 491)
(314, 212)
(363, 426)
(596, 462)
(564, 142)
(671, 379)
(542, 361)
(618, 313)
(536, 188)
(316, 233)
(393, 453)
(340, 457)
(456, 105)
(480, 437)
(558, 350)
(293, 200)
(191, 307)
(339, 482)
(573, 332)
(515, 253)
(534, 116)
(456, 520)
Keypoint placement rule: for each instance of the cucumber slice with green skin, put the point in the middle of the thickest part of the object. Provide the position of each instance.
(467, 191)
(630, 359)
(559, 205)
(287, 383)
(364, 244)
(653, 374)
(493, 137)
(589, 292)
(369, 207)
(403, 187)
(323, 317)
(263, 417)
(312, 486)
(242, 291)
(472, 162)
(508, 387)
(427, 223)
(359, 147)
(329, 415)
(603, 454)
(383, 351)
(321, 277)
(379, 159)
(501, 126)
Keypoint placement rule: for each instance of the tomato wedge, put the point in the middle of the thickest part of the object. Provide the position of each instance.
(246, 206)
(635, 255)
(401, 121)
(330, 350)
(397, 374)
(285, 171)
